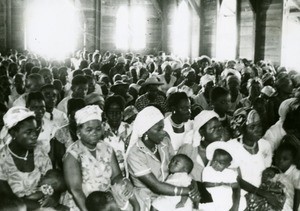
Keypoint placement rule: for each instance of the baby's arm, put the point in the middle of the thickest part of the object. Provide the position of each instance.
(182, 201)
(212, 184)
(134, 203)
(35, 196)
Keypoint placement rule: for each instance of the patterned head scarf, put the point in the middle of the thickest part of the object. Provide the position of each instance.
(242, 117)
(88, 113)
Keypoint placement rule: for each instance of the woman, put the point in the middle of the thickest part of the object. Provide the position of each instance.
(254, 153)
(90, 164)
(117, 132)
(22, 163)
(178, 123)
(148, 157)
(207, 129)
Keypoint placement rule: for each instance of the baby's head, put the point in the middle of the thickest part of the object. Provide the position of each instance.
(285, 156)
(221, 160)
(55, 179)
(181, 163)
(101, 201)
(269, 174)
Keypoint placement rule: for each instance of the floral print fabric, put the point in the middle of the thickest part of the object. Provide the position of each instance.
(95, 171)
(23, 183)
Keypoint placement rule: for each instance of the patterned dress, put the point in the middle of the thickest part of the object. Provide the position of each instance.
(96, 171)
(23, 183)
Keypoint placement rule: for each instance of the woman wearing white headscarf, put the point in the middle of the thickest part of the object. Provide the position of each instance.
(207, 129)
(149, 154)
(22, 162)
(90, 164)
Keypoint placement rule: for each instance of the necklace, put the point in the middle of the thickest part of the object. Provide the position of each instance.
(175, 125)
(92, 150)
(155, 150)
(250, 147)
(16, 156)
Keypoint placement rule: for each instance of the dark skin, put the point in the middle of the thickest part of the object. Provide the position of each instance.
(25, 140)
(155, 136)
(212, 131)
(181, 114)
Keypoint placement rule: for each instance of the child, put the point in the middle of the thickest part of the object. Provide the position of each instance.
(272, 183)
(101, 201)
(51, 183)
(285, 159)
(219, 180)
(105, 201)
(179, 168)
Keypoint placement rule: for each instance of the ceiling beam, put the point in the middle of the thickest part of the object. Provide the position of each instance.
(195, 6)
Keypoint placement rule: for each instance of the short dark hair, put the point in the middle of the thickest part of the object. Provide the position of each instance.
(34, 96)
(218, 92)
(117, 99)
(175, 98)
(74, 104)
(222, 152)
(79, 79)
(287, 146)
(97, 200)
(189, 164)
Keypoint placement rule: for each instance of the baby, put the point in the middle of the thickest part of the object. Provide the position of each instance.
(271, 184)
(103, 201)
(285, 160)
(51, 183)
(220, 181)
(179, 168)
(106, 201)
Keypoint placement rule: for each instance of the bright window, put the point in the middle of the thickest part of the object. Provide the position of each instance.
(181, 31)
(290, 41)
(226, 31)
(131, 28)
(51, 28)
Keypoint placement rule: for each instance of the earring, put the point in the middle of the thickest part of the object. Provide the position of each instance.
(146, 137)
(174, 112)
(202, 138)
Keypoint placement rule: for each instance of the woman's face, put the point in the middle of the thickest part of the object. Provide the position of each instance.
(156, 133)
(26, 134)
(183, 110)
(284, 160)
(254, 130)
(90, 133)
(212, 131)
(114, 115)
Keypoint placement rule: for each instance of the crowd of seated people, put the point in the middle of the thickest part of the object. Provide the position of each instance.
(148, 132)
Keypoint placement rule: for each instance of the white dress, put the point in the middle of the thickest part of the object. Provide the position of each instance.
(251, 165)
(177, 139)
(168, 203)
(221, 195)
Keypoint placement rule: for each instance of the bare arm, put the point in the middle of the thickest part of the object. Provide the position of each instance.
(161, 187)
(296, 200)
(116, 171)
(6, 190)
(73, 180)
(236, 195)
